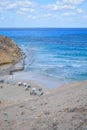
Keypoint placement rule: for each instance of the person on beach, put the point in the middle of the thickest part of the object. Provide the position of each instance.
(35, 91)
(1, 86)
(32, 91)
(27, 87)
(19, 83)
(1, 81)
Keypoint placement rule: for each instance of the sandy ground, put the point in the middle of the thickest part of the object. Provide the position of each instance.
(63, 108)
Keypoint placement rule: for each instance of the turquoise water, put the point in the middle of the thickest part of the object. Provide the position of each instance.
(57, 53)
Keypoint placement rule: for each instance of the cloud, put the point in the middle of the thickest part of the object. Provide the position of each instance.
(59, 6)
(25, 3)
(74, 2)
(26, 10)
(56, 7)
(79, 11)
(21, 13)
(65, 7)
(32, 17)
(76, 12)
(49, 15)
(35, 11)
(6, 5)
(11, 6)
(69, 14)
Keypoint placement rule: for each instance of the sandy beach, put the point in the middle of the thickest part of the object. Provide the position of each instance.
(62, 108)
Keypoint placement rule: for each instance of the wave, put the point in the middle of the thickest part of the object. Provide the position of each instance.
(61, 61)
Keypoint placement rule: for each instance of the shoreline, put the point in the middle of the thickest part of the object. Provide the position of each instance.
(16, 71)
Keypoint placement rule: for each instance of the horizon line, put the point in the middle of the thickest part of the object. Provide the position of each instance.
(43, 27)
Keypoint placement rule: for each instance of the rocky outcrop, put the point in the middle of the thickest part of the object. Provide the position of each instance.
(9, 51)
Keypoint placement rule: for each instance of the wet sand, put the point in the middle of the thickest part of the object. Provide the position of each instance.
(48, 82)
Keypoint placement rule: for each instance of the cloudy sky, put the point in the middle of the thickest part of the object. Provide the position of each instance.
(43, 13)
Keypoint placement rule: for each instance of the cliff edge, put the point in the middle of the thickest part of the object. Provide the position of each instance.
(9, 51)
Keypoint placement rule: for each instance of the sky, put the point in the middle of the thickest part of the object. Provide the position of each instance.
(43, 13)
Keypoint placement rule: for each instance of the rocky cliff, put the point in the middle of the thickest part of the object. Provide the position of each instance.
(9, 51)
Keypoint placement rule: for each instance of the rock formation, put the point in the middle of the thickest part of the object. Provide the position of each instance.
(9, 51)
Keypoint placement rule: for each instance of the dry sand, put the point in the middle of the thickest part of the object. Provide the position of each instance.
(63, 108)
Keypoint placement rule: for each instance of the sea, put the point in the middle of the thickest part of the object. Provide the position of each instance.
(58, 54)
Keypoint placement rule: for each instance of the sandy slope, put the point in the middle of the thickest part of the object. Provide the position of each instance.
(64, 108)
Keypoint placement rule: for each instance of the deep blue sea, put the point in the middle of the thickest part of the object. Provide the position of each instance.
(59, 53)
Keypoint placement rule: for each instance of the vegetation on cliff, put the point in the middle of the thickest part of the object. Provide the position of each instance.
(9, 51)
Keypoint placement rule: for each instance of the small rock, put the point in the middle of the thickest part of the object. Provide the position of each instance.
(73, 109)
(21, 106)
(22, 113)
(47, 113)
(5, 114)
